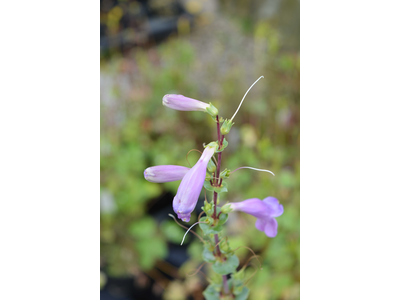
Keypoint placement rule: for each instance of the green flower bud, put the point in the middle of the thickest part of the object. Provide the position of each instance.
(208, 208)
(225, 173)
(226, 127)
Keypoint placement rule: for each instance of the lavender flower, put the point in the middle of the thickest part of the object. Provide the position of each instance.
(180, 102)
(265, 211)
(165, 173)
(190, 187)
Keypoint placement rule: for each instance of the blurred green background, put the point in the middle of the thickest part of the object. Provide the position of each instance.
(229, 45)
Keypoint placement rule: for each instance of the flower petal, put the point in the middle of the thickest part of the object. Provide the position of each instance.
(268, 225)
(260, 224)
(274, 208)
(254, 207)
(189, 190)
(180, 102)
(165, 173)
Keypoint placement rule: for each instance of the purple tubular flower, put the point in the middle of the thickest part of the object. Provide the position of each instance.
(165, 173)
(190, 187)
(265, 211)
(179, 102)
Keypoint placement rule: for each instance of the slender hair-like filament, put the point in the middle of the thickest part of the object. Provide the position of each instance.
(245, 96)
(261, 170)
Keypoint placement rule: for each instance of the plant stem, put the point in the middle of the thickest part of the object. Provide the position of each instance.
(217, 174)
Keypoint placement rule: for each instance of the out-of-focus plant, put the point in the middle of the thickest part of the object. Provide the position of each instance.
(205, 173)
(136, 132)
(131, 133)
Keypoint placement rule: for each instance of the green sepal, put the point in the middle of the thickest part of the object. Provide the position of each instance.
(208, 208)
(210, 228)
(219, 189)
(207, 185)
(212, 110)
(213, 144)
(224, 145)
(226, 126)
(226, 267)
(226, 208)
(223, 188)
(225, 173)
(211, 167)
(208, 255)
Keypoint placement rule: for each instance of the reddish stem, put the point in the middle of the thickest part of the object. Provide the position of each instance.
(217, 173)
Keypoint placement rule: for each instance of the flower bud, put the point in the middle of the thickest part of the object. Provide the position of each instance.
(208, 208)
(226, 127)
(165, 173)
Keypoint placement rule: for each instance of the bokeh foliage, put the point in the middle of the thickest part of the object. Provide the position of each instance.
(137, 131)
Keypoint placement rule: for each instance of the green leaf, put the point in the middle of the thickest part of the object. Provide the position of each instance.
(211, 167)
(225, 173)
(226, 267)
(243, 295)
(222, 218)
(207, 185)
(222, 189)
(210, 293)
(208, 255)
(209, 228)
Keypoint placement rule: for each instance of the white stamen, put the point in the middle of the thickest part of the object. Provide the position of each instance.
(245, 96)
(188, 231)
(261, 170)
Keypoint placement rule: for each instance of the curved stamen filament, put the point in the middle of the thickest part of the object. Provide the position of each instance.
(188, 154)
(245, 97)
(254, 255)
(173, 217)
(261, 170)
(254, 273)
(189, 230)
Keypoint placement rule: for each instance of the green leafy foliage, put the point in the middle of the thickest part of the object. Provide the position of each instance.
(226, 267)
(219, 189)
(208, 255)
(211, 292)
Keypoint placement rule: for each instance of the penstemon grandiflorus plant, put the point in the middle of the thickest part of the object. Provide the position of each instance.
(205, 173)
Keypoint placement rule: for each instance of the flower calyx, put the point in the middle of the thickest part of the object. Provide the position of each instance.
(212, 110)
(223, 146)
(226, 127)
(219, 188)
